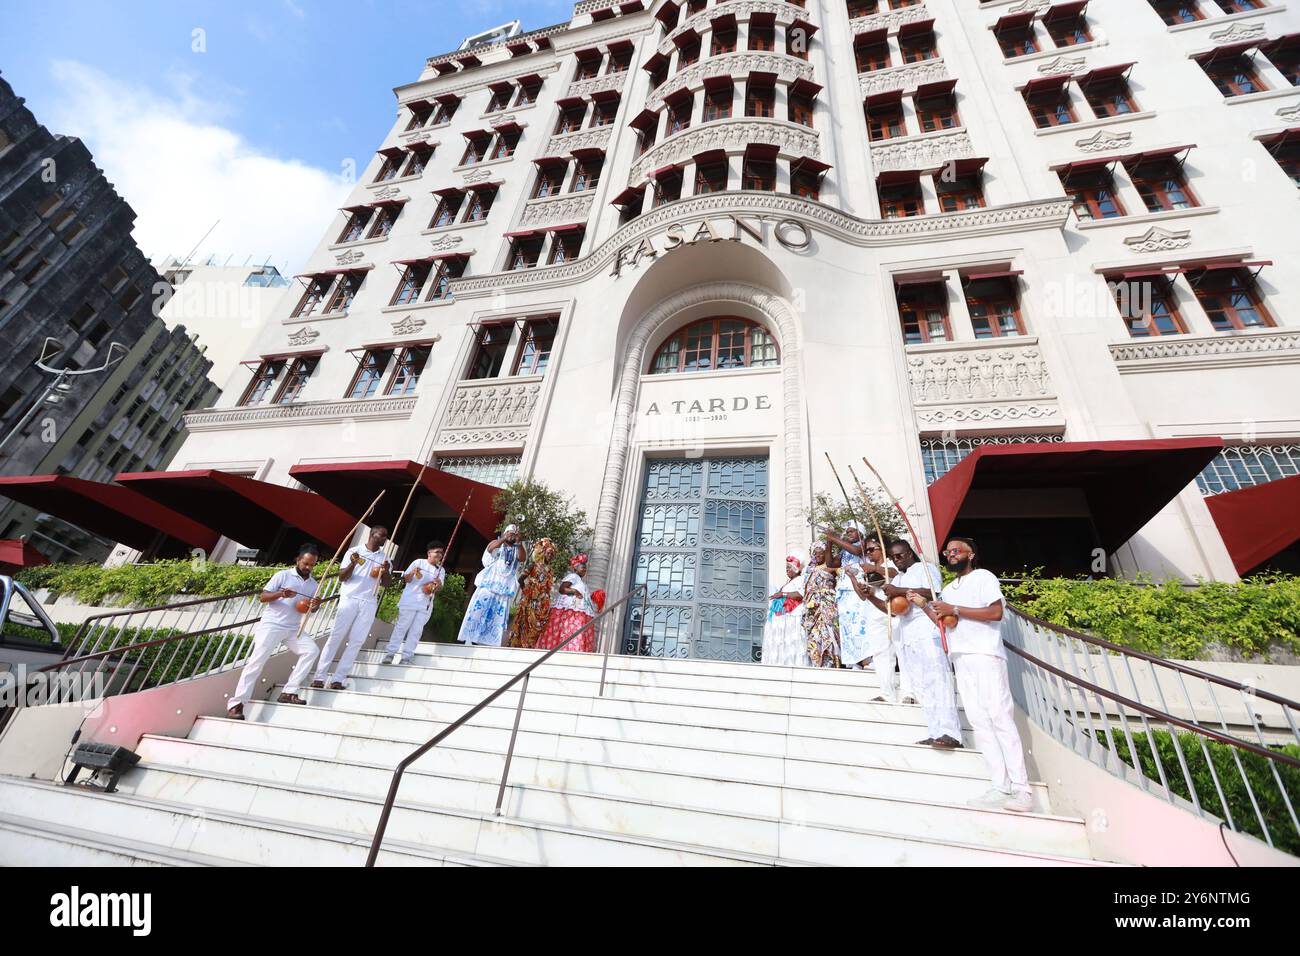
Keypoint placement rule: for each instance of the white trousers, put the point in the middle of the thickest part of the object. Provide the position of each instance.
(932, 683)
(407, 630)
(353, 624)
(883, 664)
(986, 696)
(266, 639)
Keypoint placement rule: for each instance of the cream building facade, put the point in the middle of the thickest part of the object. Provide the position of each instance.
(900, 230)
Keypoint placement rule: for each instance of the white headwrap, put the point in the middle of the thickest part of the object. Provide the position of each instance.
(798, 557)
(509, 528)
(857, 526)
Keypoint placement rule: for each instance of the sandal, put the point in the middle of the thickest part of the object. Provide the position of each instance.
(236, 712)
(289, 699)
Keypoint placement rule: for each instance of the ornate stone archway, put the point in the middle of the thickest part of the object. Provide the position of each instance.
(781, 319)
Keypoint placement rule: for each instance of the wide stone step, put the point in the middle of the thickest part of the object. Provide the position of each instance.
(130, 824)
(468, 688)
(28, 842)
(602, 797)
(698, 834)
(491, 729)
(895, 727)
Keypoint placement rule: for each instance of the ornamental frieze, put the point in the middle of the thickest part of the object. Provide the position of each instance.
(957, 416)
(972, 375)
(1280, 346)
(906, 77)
(731, 135)
(787, 68)
(1063, 64)
(1156, 239)
(741, 10)
(598, 84)
(1239, 31)
(565, 143)
(921, 152)
(555, 210)
(889, 19)
(496, 412)
(1104, 140)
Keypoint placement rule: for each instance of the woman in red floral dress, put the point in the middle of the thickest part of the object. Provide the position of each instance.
(571, 609)
(534, 597)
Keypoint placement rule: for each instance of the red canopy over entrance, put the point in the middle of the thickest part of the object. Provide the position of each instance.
(352, 485)
(110, 511)
(243, 509)
(15, 554)
(1257, 523)
(1125, 483)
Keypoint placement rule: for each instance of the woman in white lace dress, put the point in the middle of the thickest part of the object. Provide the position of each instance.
(784, 641)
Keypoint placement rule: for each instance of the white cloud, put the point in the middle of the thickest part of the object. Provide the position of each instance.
(181, 171)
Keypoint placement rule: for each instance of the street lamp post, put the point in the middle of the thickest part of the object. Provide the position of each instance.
(53, 393)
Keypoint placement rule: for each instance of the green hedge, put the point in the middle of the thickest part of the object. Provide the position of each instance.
(155, 582)
(1253, 617)
(1258, 772)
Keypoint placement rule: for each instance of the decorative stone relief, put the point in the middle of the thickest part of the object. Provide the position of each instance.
(220, 419)
(349, 257)
(731, 135)
(581, 139)
(1289, 113)
(389, 193)
(1063, 64)
(477, 175)
(742, 10)
(906, 77)
(1103, 140)
(1038, 6)
(889, 19)
(304, 336)
(1281, 346)
(496, 412)
(445, 241)
(408, 325)
(597, 84)
(556, 210)
(964, 375)
(1156, 239)
(787, 68)
(1239, 31)
(921, 152)
(983, 414)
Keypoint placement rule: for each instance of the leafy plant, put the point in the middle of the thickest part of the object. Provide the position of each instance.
(833, 511)
(1223, 758)
(542, 512)
(1253, 617)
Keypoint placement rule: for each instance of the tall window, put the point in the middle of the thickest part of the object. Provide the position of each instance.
(1285, 149)
(388, 169)
(356, 225)
(710, 175)
(416, 161)
(420, 113)
(884, 119)
(1239, 6)
(587, 175)
(718, 343)
(1230, 299)
(620, 58)
(528, 93)
(1147, 306)
(801, 108)
(760, 98)
(412, 281)
(1050, 107)
(571, 117)
(1284, 54)
(410, 366)
(476, 147)
(805, 183)
(1068, 30)
(507, 140)
(448, 206)
(762, 32)
(538, 340)
(588, 65)
(524, 252)
(384, 220)
(603, 111)
(937, 112)
(317, 289)
(345, 290)
(446, 110)
(1018, 41)
(1174, 12)
(899, 200)
(490, 350)
(679, 114)
(717, 102)
(500, 98)
(994, 305)
(668, 186)
(759, 173)
(263, 379)
(295, 380)
(871, 55)
(480, 203)
(1162, 184)
(962, 193)
(446, 269)
(923, 312)
(1093, 192)
(724, 38)
(918, 46)
(550, 178)
(1233, 75)
(370, 372)
(688, 52)
(565, 245)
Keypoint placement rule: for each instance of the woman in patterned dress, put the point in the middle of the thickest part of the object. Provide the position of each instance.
(534, 597)
(784, 643)
(821, 616)
(494, 588)
(571, 609)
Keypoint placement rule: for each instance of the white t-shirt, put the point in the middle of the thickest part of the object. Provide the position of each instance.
(413, 597)
(282, 611)
(914, 621)
(361, 586)
(979, 588)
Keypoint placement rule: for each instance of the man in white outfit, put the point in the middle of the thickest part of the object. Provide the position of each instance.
(424, 579)
(289, 595)
(972, 605)
(363, 572)
(921, 650)
(881, 633)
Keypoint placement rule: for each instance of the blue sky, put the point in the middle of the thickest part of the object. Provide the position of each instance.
(254, 127)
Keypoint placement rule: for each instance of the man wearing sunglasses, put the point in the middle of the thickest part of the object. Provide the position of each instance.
(974, 600)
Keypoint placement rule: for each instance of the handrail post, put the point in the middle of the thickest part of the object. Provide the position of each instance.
(510, 751)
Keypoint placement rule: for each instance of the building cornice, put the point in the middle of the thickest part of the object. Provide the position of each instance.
(889, 20)
(908, 76)
(737, 64)
(300, 413)
(507, 71)
(730, 135)
(741, 10)
(872, 233)
(1181, 353)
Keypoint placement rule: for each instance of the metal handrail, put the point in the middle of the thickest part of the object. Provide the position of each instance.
(1152, 659)
(1068, 694)
(524, 675)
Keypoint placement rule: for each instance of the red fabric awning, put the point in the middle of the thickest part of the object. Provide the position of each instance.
(243, 509)
(1041, 84)
(1065, 11)
(1106, 73)
(352, 485)
(915, 28)
(15, 554)
(1227, 49)
(110, 511)
(1014, 21)
(1084, 165)
(937, 88)
(1125, 483)
(1256, 523)
(895, 177)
